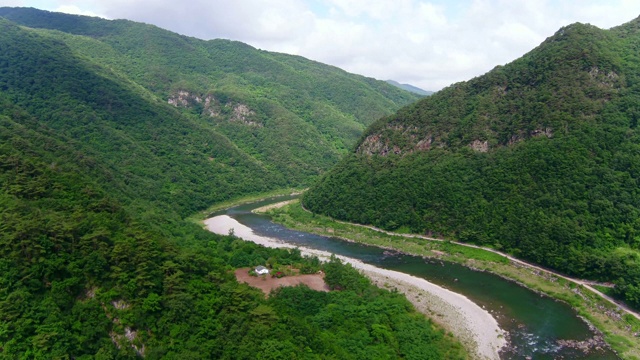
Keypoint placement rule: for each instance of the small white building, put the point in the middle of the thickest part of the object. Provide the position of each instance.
(261, 270)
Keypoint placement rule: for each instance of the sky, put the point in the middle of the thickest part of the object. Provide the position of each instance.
(426, 43)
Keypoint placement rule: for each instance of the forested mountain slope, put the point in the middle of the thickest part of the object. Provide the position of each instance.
(160, 155)
(82, 276)
(290, 115)
(97, 172)
(540, 158)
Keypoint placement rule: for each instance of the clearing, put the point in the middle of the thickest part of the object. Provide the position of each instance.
(266, 283)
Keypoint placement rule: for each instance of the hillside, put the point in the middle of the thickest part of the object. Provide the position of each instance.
(290, 115)
(98, 170)
(538, 158)
(84, 277)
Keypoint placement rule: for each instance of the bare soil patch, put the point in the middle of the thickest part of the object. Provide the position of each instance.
(266, 283)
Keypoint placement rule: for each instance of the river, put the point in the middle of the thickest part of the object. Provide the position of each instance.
(536, 324)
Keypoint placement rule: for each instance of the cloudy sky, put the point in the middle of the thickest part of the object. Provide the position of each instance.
(426, 43)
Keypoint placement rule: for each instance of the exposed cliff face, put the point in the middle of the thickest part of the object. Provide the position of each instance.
(242, 114)
(182, 98)
(211, 107)
(398, 139)
(565, 81)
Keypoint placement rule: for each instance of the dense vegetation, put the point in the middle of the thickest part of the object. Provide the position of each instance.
(82, 276)
(293, 116)
(540, 158)
(97, 172)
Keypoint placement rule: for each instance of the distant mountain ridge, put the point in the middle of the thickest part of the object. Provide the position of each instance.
(410, 88)
(539, 158)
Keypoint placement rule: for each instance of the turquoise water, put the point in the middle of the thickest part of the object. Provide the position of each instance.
(534, 323)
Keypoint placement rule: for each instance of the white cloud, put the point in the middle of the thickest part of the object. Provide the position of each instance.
(378, 10)
(12, 3)
(73, 9)
(428, 43)
(431, 14)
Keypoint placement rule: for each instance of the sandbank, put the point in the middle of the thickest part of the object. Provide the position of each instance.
(266, 208)
(472, 325)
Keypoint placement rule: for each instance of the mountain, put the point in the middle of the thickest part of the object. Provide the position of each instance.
(410, 88)
(111, 133)
(539, 158)
(292, 116)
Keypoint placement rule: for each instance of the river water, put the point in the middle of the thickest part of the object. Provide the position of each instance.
(535, 323)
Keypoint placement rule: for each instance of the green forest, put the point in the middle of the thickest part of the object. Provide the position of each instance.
(289, 115)
(84, 277)
(98, 172)
(539, 158)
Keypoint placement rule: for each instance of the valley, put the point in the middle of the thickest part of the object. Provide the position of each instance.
(101, 167)
(619, 323)
(457, 314)
(507, 301)
(117, 138)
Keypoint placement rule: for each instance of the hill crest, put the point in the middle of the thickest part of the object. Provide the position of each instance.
(538, 158)
(485, 112)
